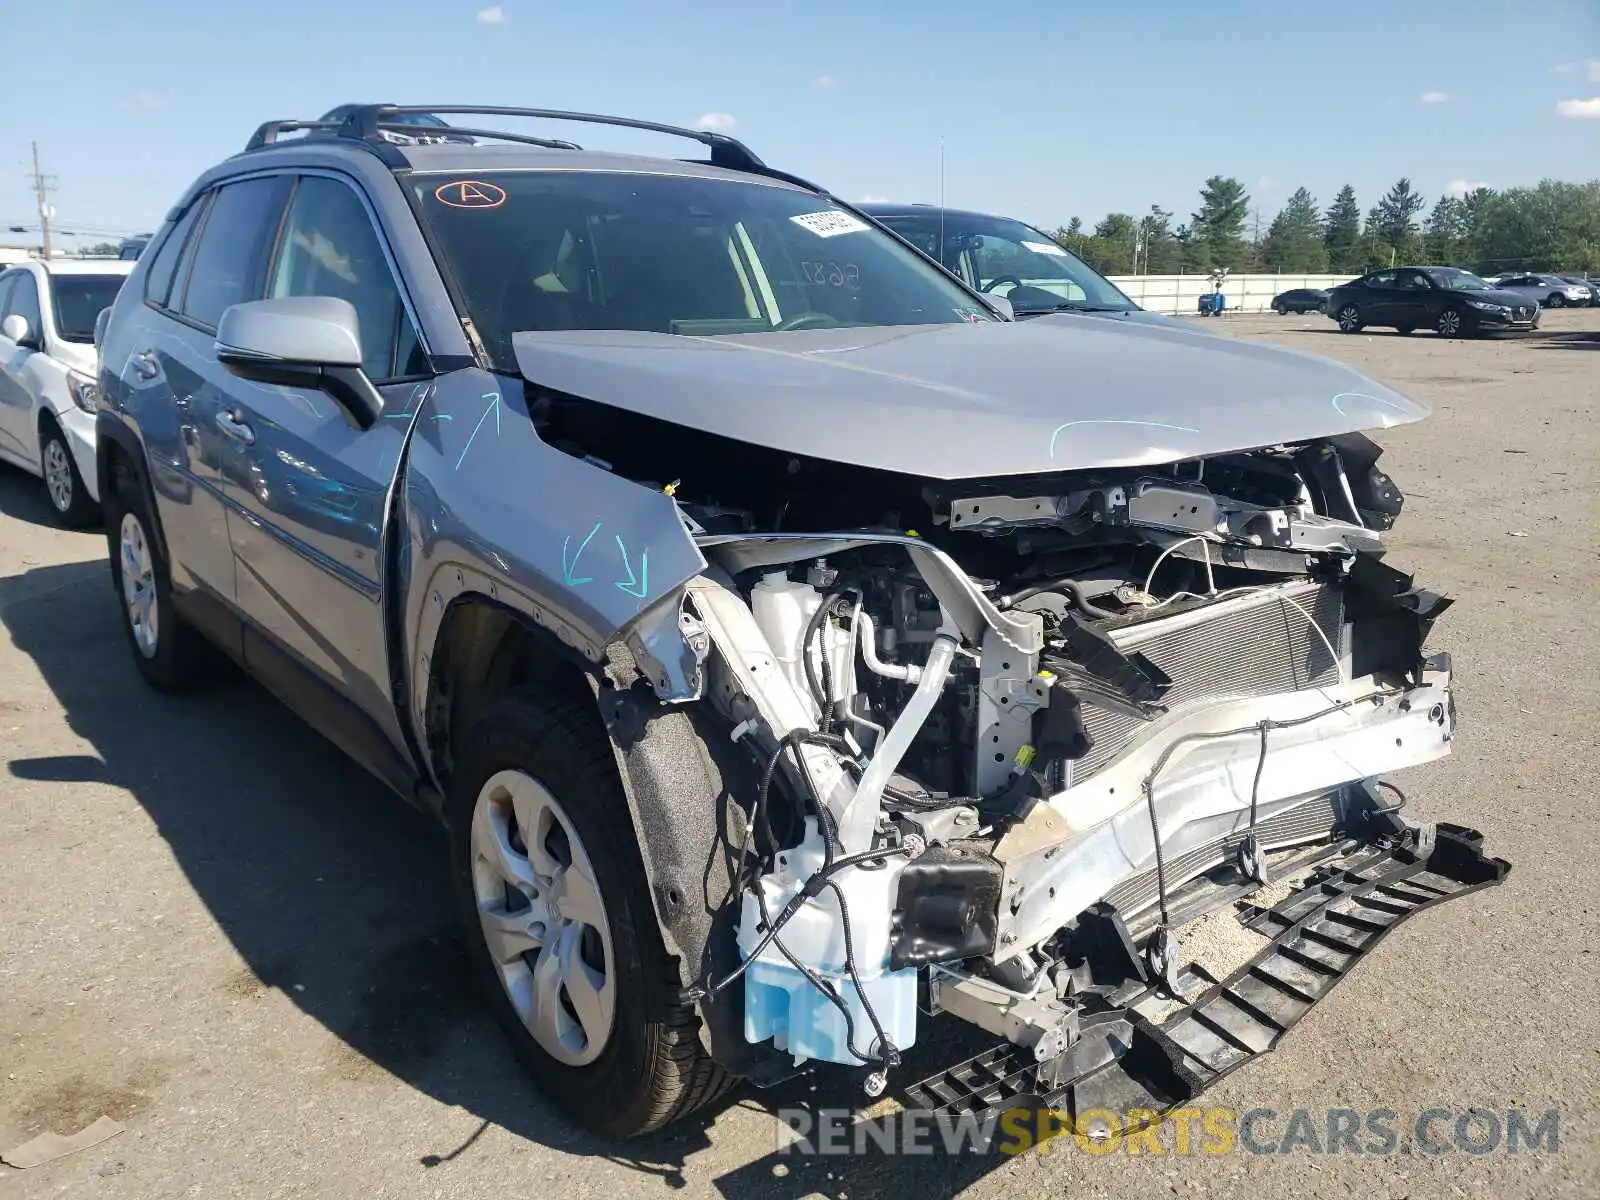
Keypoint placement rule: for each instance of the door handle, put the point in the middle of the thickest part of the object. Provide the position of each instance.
(237, 430)
(145, 365)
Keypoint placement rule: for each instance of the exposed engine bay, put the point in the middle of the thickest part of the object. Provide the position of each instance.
(1013, 734)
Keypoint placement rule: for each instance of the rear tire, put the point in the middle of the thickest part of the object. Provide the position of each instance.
(569, 951)
(62, 483)
(1349, 318)
(170, 653)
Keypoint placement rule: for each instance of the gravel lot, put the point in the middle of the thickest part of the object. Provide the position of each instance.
(216, 930)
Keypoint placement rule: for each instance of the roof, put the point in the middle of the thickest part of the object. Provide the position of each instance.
(932, 210)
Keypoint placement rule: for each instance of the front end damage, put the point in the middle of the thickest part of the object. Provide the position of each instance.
(1012, 739)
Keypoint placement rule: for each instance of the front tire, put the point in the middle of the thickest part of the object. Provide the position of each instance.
(170, 654)
(1281, 309)
(1556, 300)
(556, 912)
(1449, 323)
(62, 483)
(1349, 318)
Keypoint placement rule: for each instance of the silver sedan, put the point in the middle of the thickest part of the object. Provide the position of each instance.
(1551, 291)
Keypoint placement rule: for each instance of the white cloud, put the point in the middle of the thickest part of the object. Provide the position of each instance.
(823, 82)
(1435, 97)
(1580, 110)
(1267, 183)
(1460, 187)
(147, 101)
(873, 200)
(493, 15)
(716, 121)
(1565, 68)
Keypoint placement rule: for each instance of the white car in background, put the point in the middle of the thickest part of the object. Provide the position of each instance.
(48, 375)
(1551, 291)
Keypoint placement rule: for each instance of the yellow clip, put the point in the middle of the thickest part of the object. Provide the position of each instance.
(672, 488)
(1023, 757)
(912, 533)
(1046, 677)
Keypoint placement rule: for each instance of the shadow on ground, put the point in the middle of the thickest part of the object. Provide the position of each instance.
(335, 892)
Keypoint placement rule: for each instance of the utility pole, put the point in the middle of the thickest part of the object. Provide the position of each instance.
(43, 185)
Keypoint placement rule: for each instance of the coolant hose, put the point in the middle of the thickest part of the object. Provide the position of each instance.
(869, 651)
(860, 815)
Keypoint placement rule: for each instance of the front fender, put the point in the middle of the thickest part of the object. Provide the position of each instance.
(491, 508)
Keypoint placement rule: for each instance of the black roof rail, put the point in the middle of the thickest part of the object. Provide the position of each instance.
(267, 132)
(368, 119)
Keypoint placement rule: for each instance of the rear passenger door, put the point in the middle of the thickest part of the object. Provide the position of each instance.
(308, 490)
(177, 392)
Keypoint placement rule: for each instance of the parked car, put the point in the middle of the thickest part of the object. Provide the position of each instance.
(1550, 291)
(1451, 301)
(573, 494)
(1299, 301)
(47, 375)
(131, 248)
(1590, 286)
(1002, 257)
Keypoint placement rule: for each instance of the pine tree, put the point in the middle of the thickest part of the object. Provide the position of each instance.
(1341, 233)
(1445, 232)
(1394, 219)
(1294, 241)
(1219, 225)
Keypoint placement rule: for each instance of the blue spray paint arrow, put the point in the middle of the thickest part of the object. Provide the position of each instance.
(634, 586)
(569, 566)
(494, 407)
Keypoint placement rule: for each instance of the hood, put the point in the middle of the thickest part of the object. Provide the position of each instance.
(1508, 296)
(75, 355)
(961, 401)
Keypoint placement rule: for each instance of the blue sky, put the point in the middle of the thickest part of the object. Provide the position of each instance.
(1046, 110)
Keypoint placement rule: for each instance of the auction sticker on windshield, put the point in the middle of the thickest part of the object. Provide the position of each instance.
(1045, 248)
(828, 224)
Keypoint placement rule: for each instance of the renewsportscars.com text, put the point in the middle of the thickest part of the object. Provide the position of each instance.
(1434, 1131)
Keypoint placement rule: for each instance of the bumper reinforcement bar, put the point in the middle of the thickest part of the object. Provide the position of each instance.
(1123, 1060)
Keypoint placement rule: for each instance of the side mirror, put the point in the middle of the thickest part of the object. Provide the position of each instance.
(100, 323)
(16, 328)
(301, 341)
(1004, 305)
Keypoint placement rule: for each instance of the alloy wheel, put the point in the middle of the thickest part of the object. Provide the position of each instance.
(139, 586)
(58, 475)
(1349, 318)
(543, 917)
(1449, 323)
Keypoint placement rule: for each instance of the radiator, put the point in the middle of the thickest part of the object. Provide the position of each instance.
(1251, 645)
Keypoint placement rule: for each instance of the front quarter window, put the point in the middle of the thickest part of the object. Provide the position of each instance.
(672, 254)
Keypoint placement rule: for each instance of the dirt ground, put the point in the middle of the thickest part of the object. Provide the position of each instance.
(217, 931)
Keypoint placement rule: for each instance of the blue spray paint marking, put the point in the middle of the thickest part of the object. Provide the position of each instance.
(568, 566)
(494, 407)
(1111, 421)
(634, 585)
(1339, 408)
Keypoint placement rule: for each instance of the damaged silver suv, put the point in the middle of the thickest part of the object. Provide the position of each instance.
(792, 645)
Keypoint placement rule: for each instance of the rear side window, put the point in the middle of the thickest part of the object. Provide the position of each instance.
(158, 279)
(230, 263)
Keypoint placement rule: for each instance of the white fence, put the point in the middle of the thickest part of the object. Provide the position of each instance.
(1245, 293)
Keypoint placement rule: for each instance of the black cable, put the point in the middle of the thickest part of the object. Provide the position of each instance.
(1255, 785)
(887, 1054)
(1166, 755)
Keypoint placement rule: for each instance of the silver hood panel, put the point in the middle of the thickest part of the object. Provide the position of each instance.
(960, 401)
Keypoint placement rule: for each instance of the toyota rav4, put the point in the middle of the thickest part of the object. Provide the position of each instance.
(791, 645)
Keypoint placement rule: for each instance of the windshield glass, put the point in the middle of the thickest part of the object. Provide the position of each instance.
(1457, 280)
(78, 300)
(543, 250)
(1010, 259)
